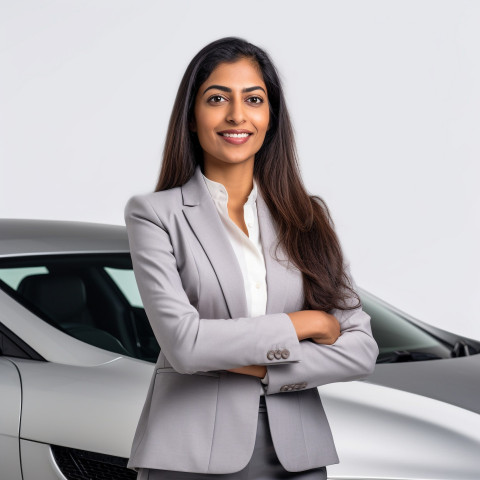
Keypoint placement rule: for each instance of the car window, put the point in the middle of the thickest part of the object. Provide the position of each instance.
(93, 298)
(13, 276)
(125, 280)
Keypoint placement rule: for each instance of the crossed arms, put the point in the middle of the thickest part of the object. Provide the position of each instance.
(194, 345)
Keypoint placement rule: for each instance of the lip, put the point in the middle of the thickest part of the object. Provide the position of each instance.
(235, 141)
(235, 131)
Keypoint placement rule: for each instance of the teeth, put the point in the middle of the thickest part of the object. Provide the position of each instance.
(235, 135)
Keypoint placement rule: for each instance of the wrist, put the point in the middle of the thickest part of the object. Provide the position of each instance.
(254, 370)
(261, 371)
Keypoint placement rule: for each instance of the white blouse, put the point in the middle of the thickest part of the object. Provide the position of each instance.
(248, 249)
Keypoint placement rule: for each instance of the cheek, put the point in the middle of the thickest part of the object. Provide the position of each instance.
(206, 124)
(205, 139)
(261, 121)
(204, 129)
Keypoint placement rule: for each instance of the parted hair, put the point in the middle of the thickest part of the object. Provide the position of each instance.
(305, 227)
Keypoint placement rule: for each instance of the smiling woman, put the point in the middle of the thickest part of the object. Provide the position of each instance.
(223, 102)
(244, 283)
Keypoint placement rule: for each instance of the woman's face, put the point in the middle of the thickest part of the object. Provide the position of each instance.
(232, 113)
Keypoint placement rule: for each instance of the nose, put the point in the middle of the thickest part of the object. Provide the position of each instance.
(235, 112)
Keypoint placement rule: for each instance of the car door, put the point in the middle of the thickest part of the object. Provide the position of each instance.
(10, 411)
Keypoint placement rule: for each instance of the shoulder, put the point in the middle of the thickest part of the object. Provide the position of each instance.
(159, 205)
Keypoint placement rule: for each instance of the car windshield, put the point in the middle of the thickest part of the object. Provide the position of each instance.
(95, 299)
(397, 338)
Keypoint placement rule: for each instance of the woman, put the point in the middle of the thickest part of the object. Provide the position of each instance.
(245, 286)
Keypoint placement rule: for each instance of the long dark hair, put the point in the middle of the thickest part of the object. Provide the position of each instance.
(305, 227)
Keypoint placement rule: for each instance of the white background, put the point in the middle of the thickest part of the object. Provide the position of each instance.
(384, 96)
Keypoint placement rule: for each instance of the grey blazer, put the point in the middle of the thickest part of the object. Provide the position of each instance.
(199, 417)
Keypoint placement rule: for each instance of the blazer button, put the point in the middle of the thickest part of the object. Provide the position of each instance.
(278, 354)
(270, 354)
(283, 388)
(303, 384)
(290, 387)
(285, 353)
(297, 386)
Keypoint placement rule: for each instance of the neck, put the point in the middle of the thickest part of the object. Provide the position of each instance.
(236, 178)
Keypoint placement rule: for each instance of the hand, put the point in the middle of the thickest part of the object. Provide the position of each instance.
(330, 327)
(254, 370)
(318, 325)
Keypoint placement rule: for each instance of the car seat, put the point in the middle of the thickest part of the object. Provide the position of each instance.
(62, 299)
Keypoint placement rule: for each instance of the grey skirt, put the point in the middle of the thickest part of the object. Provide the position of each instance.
(263, 465)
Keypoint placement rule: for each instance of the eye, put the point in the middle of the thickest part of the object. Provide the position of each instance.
(218, 99)
(257, 100)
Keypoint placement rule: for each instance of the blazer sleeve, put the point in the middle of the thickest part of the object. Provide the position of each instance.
(192, 344)
(352, 357)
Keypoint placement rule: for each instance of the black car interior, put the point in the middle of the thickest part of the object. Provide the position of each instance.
(78, 297)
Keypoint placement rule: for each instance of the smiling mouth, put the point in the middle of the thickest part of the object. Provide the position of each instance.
(235, 135)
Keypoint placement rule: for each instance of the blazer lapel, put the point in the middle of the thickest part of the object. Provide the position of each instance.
(202, 216)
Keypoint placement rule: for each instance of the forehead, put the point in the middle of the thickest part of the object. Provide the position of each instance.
(242, 73)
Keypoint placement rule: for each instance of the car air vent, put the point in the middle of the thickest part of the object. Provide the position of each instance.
(84, 465)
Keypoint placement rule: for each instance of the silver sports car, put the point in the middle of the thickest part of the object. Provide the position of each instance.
(77, 353)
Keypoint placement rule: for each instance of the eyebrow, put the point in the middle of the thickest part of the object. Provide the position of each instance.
(229, 90)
